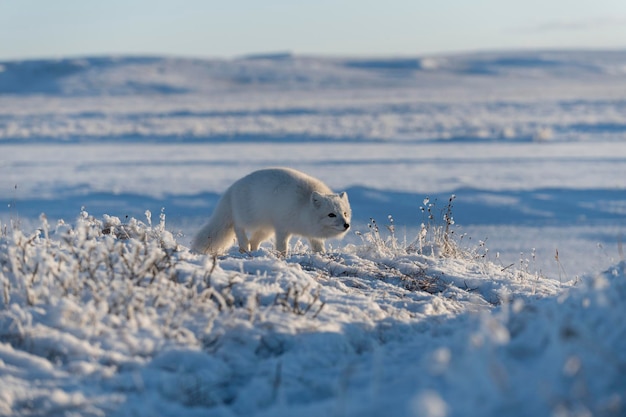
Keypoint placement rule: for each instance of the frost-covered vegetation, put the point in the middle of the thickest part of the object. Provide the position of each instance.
(104, 317)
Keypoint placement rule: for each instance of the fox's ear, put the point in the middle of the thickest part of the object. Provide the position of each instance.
(344, 196)
(316, 199)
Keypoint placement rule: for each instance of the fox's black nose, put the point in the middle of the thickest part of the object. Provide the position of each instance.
(346, 226)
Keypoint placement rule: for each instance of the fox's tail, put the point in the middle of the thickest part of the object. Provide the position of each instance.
(218, 234)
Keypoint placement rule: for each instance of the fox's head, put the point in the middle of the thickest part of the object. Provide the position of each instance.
(333, 213)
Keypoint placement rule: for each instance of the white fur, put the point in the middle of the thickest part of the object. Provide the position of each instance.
(275, 201)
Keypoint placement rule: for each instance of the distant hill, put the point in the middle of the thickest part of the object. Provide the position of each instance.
(130, 75)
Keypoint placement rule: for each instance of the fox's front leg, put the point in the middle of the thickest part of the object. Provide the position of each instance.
(282, 240)
(317, 245)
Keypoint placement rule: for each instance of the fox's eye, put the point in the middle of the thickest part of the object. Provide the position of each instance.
(332, 215)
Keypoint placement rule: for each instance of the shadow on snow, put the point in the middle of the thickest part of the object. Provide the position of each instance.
(549, 207)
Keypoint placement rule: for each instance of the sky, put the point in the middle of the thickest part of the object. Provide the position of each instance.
(230, 28)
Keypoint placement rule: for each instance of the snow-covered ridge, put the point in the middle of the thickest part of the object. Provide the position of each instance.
(105, 318)
(530, 96)
(144, 75)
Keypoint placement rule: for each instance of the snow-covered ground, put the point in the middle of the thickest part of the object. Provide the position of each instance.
(526, 318)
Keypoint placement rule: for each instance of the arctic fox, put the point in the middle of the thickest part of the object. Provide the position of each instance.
(274, 201)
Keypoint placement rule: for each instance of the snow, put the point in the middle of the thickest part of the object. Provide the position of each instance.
(507, 301)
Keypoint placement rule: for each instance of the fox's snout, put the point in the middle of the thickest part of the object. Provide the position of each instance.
(346, 226)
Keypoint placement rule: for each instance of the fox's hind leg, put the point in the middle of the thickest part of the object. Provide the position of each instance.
(259, 236)
(242, 239)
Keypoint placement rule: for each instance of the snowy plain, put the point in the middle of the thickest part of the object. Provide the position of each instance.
(524, 318)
